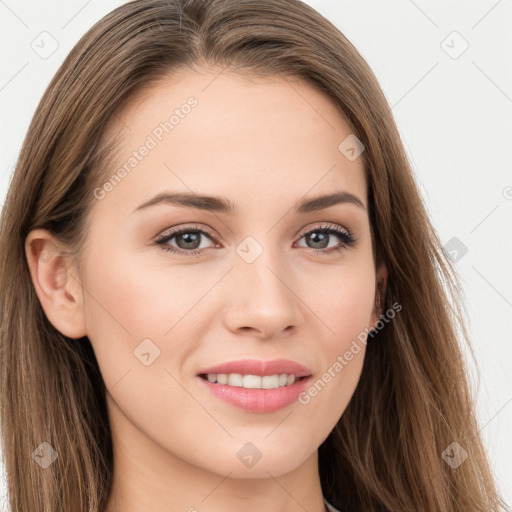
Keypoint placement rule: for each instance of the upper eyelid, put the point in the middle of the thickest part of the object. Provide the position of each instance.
(322, 226)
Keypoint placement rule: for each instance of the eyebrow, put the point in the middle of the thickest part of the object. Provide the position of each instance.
(224, 205)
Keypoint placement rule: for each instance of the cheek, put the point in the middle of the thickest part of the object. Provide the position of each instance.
(138, 299)
(343, 307)
(133, 322)
(128, 303)
(343, 301)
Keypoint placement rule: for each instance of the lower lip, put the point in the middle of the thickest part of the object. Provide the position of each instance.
(257, 400)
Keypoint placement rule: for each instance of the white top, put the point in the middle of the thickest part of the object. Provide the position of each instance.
(330, 507)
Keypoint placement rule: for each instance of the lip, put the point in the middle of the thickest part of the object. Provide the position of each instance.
(258, 400)
(258, 367)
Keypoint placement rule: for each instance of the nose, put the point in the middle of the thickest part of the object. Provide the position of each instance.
(262, 299)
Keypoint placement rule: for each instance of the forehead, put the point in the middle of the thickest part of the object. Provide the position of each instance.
(220, 133)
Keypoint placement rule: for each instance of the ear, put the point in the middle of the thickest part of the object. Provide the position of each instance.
(56, 282)
(381, 283)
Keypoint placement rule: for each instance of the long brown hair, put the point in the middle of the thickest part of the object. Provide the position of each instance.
(413, 399)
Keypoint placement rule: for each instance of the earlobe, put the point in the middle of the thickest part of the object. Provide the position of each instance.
(56, 283)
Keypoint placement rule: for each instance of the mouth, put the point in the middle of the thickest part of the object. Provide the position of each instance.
(253, 381)
(256, 386)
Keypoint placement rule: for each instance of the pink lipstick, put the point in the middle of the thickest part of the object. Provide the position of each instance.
(256, 386)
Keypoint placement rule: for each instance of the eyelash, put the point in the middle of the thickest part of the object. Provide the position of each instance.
(347, 239)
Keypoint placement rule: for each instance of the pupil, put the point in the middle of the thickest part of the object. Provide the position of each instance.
(323, 237)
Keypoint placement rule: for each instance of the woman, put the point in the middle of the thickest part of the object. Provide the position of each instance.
(218, 281)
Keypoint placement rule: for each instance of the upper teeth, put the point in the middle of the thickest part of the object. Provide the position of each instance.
(252, 381)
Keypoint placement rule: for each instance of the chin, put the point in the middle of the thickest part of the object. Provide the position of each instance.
(259, 460)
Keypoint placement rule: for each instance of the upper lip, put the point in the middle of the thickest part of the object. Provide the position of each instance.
(258, 367)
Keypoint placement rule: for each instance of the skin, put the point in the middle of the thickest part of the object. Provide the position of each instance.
(263, 143)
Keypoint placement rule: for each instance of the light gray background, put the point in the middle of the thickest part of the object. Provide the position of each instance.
(453, 110)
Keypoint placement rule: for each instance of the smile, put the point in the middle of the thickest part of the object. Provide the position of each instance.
(252, 381)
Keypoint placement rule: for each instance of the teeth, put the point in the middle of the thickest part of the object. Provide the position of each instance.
(270, 382)
(235, 379)
(252, 381)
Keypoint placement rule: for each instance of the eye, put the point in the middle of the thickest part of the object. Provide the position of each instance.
(320, 237)
(188, 239)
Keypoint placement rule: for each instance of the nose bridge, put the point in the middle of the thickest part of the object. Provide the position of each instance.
(262, 298)
(259, 267)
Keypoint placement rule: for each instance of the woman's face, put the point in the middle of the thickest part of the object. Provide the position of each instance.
(264, 282)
